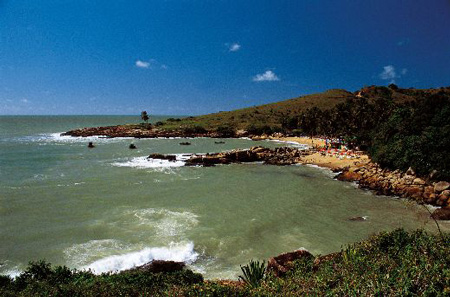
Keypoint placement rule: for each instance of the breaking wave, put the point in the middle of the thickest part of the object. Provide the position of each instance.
(175, 252)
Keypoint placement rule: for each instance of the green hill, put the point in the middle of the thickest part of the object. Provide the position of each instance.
(274, 114)
(267, 114)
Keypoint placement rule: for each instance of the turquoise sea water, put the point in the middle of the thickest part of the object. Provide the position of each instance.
(109, 208)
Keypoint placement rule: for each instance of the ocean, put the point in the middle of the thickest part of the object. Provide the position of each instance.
(110, 209)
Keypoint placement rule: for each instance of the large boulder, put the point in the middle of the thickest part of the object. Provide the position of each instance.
(157, 266)
(441, 214)
(163, 157)
(281, 264)
(349, 176)
(441, 186)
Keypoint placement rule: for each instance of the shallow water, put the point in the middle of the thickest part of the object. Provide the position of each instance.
(108, 208)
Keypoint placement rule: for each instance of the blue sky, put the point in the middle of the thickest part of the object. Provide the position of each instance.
(201, 56)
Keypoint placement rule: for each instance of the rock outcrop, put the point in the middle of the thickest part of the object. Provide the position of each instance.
(398, 183)
(157, 266)
(163, 157)
(278, 156)
(281, 264)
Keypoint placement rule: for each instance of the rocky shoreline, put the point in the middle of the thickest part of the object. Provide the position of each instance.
(367, 174)
(136, 131)
(403, 184)
(279, 156)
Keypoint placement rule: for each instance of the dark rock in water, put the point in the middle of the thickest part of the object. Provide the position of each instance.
(281, 264)
(162, 157)
(91, 145)
(358, 219)
(185, 143)
(279, 156)
(441, 214)
(158, 266)
(132, 146)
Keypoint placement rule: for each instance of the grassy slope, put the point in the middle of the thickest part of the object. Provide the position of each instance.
(269, 114)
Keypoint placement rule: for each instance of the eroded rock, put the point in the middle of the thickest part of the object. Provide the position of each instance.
(441, 214)
(281, 264)
(441, 186)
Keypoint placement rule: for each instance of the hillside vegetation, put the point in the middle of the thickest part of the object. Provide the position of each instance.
(269, 114)
(277, 115)
(400, 128)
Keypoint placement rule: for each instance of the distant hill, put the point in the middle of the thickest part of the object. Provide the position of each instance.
(273, 114)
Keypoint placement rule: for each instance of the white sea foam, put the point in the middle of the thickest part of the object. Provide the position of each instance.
(175, 252)
(145, 162)
(291, 143)
(166, 223)
(81, 254)
(13, 273)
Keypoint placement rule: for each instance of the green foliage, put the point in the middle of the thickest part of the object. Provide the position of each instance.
(213, 289)
(40, 279)
(226, 131)
(262, 129)
(397, 263)
(173, 120)
(416, 135)
(144, 116)
(194, 130)
(253, 273)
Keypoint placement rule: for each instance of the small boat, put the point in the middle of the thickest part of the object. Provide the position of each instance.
(185, 143)
(219, 142)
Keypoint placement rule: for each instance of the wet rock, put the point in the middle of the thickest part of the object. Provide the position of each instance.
(279, 156)
(163, 157)
(442, 200)
(441, 214)
(358, 219)
(158, 266)
(281, 264)
(414, 192)
(349, 176)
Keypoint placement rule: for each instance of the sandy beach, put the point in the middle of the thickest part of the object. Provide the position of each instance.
(327, 160)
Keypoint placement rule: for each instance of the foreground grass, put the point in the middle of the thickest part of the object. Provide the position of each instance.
(397, 263)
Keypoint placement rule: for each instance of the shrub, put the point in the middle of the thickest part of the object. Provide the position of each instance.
(194, 130)
(253, 273)
(225, 131)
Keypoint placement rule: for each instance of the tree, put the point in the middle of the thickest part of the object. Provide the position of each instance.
(144, 116)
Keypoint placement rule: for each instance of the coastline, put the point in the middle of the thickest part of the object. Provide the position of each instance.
(354, 166)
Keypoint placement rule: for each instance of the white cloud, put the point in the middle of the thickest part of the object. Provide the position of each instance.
(234, 47)
(269, 75)
(142, 64)
(389, 73)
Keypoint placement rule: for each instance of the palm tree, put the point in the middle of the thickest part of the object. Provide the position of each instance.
(144, 116)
